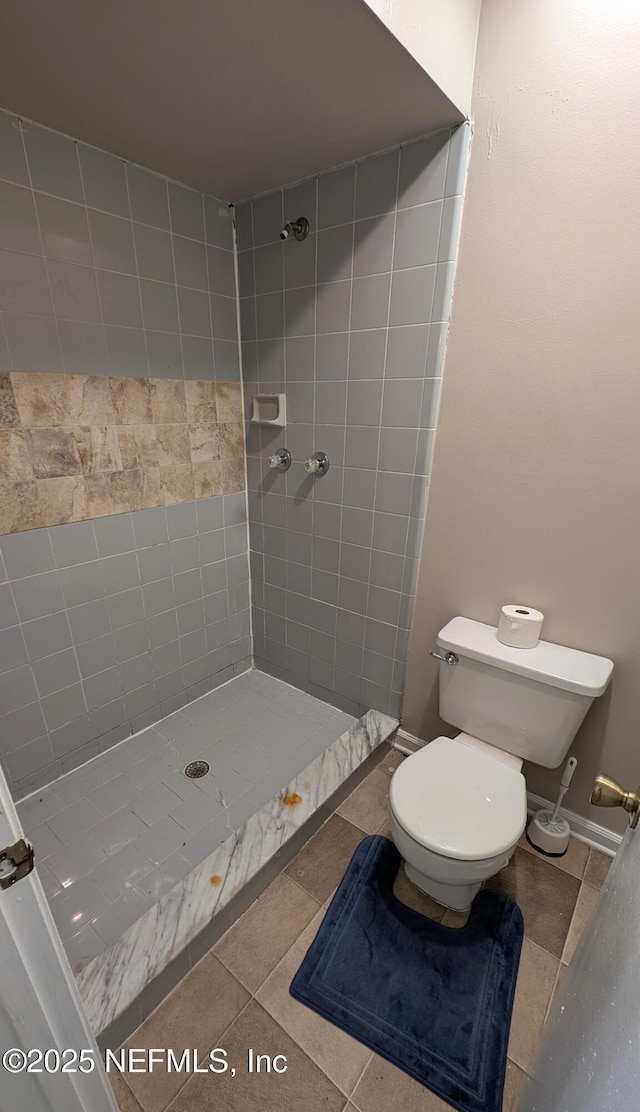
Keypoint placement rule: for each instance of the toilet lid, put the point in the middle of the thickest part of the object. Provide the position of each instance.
(459, 801)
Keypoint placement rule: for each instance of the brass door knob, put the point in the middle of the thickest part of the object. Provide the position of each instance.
(608, 793)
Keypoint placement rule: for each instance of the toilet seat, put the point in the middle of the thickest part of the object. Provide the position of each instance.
(460, 801)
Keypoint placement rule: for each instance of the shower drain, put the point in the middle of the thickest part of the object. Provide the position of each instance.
(197, 769)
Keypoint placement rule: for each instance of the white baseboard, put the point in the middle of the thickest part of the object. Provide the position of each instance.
(407, 743)
(583, 829)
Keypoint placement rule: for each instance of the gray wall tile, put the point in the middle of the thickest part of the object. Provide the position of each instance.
(64, 228)
(154, 253)
(33, 342)
(119, 299)
(53, 162)
(104, 181)
(88, 655)
(190, 259)
(412, 296)
(83, 345)
(186, 211)
(13, 165)
(74, 293)
(376, 184)
(331, 555)
(148, 197)
(24, 285)
(336, 197)
(55, 672)
(19, 226)
(417, 235)
(423, 168)
(8, 612)
(27, 553)
(218, 223)
(74, 543)
(373, 247)
(94, 210)
(38, 595)
(13, 651)
(112, 242)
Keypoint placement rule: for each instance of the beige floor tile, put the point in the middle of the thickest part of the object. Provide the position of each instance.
(124, 1097)
(303, 1086)
(573, 862)
(513, 1083)
(597, 868)
(391, 761)
(195, 1014)
(385, 830)
(536, 978)
(546, 895)
(321, 863)
(383, 1087)
(262, 936)
(340, 1057)
(408, 894)
(560, 976)
(587, 900)
(455, 919)
(368, 805)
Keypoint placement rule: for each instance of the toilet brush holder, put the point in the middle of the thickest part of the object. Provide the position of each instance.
(547, 832)
(548, 836)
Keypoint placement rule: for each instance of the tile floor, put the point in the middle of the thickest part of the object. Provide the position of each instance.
(116, 834)
(237, 997)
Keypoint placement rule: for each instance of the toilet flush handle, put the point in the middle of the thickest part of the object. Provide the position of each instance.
(448, 658)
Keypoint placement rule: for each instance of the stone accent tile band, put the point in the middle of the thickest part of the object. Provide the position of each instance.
(74, 447)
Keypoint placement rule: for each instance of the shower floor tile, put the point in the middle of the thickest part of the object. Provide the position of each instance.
(118, 833)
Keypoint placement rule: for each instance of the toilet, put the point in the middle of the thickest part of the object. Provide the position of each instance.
(458, 806)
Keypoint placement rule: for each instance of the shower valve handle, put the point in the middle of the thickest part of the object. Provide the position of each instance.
(318, 464)
(280, 460)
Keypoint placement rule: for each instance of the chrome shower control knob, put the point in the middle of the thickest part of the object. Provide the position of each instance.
(280, 460)
(318, 464)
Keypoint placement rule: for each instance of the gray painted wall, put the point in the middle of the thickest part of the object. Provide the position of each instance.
(106, 268)
(351, 324)
(535, 481)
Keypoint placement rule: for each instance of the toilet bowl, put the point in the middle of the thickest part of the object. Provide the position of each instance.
(458, 806)
(457, 809)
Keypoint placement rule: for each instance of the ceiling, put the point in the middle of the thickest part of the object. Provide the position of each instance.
(233, 98)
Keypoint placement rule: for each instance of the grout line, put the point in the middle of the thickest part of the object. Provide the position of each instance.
(173, 260)
(48, 732)
(236, 277)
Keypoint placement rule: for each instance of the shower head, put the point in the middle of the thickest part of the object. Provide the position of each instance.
(299, 229)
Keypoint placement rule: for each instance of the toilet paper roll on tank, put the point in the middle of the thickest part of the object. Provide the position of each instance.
(519, 626)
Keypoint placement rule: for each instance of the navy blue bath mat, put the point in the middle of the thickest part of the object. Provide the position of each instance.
(434, 1000)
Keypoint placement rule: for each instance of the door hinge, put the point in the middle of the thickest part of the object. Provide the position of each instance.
(16, 862)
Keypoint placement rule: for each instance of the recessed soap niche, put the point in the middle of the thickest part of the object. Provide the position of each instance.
(269, 409)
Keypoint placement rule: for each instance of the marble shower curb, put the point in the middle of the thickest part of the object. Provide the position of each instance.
(111, 982)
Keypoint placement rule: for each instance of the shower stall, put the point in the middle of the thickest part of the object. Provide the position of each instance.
(216, 424)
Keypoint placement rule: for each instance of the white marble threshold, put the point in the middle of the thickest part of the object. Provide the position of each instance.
(110, 982)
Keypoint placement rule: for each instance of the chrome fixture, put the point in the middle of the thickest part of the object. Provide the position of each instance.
(448, 658)
(318, 464)
(16, 862)
(608, 793)
(299, 229)
(196, 769)
(280, 460)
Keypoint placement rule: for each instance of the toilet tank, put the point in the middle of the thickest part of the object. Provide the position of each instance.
(529, 702)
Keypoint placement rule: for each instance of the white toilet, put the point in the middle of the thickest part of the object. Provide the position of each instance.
(458, 806)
